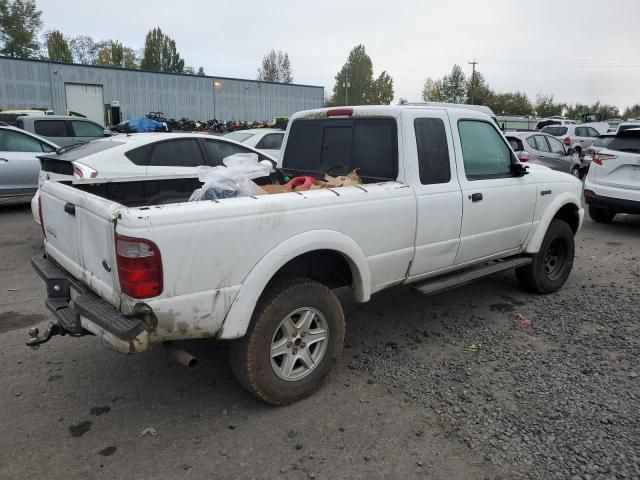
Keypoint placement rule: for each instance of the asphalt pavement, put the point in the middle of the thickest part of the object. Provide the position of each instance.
(482, 382)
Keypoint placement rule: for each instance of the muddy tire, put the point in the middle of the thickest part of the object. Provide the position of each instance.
(295, 336)
(601, 215)
(552, 265)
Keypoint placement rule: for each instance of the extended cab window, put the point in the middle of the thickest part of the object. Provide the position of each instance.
(316, 146)
(433, 152)
(484, 152)
(51, 128)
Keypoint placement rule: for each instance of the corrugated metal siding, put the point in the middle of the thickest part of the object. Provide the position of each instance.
(27, 83)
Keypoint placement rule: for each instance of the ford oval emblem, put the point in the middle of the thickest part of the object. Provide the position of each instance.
(106, 265)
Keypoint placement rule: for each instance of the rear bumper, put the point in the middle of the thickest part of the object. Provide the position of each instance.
(79, 311)
(620, 205)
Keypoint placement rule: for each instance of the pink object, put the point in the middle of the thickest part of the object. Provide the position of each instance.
(524, 323)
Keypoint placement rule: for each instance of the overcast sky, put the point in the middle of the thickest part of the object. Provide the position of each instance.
(578, 50)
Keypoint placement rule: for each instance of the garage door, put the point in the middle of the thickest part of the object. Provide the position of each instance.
(85, 99)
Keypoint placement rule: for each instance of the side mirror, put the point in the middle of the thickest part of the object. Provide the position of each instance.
(107, 133)
(269, 163)
(571, 151)
(519, 170)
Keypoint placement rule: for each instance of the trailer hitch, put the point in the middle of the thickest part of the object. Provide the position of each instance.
(51, 330)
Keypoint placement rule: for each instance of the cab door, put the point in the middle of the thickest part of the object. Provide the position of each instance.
(430, 162)
(497, 207)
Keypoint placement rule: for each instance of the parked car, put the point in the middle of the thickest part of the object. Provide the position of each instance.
(543, 149)
(612, 184)
(138, 154)
(266, 140)
(19, 164)
(63, 130)
(627, 126)
(546, 122)
(580, 137)
(260, 270)
(599, 143)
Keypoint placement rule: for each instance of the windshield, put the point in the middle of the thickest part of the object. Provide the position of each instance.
(555, 131)
(85, 149)
(238, 136)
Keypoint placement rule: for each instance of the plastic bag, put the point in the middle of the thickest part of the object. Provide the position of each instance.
(232, 180)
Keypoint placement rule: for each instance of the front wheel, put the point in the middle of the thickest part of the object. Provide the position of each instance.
(296, 333)
(552, 265)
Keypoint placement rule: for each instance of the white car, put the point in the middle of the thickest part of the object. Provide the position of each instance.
(443, 201)
(580, 137)
(546, 122)
(19, 164)
(137, 154)
(612, 184)
(627, 126)
(265, 140)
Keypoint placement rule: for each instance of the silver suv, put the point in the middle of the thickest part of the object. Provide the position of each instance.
(63, 130)
(579, 137)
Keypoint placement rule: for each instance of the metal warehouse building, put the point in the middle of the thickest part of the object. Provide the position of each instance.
(91, 90)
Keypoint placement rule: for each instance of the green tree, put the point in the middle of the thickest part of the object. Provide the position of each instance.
(381, 90)
(402, 101)
(275, 67)
(432, 91)
(160, 53)
(546, 107)
(19, 26)
(632, 112)
(354, 79)
(478, 90)
(111, 53)
(201, 72)
(511, 104)
(84, 49)
(454, 86)
(58, 48)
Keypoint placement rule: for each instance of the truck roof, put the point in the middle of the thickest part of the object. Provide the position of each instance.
(388, 110)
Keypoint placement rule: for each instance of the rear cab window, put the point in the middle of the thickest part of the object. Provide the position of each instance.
(339, 145)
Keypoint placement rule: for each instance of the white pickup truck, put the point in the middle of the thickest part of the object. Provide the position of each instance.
(443, 201)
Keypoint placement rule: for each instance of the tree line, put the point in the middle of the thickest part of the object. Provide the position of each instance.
(456, 87)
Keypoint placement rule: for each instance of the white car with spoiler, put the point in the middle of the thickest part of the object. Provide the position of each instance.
(443, 201)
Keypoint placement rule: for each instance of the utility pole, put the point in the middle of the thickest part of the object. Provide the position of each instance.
(473, 79)
(346, 84)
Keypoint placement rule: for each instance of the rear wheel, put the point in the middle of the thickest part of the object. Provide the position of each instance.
(552, 265)
(601, 215)
(296, 333)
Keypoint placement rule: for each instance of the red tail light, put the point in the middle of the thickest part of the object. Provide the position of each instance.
(139, 267)
(340, 112)
(40, 215)
(80, 170)
(567, 141)
(598, 158)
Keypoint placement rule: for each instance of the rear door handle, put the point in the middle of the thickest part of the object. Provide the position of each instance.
(4, 160)
(475, 197)
(70, 208)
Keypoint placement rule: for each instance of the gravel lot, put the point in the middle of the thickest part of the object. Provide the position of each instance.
(482, 382)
